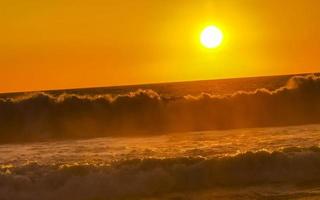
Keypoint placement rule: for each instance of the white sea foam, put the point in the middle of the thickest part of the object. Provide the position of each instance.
(213, 164)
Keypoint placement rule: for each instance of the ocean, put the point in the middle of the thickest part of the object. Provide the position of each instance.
(248, 138)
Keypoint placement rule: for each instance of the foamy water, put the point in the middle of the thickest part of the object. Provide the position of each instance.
(207, 144)
(156, 146)
(276, 162)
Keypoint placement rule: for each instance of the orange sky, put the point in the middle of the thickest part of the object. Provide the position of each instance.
(53, 44)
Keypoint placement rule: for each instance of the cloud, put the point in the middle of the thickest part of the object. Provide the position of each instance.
(38, 116)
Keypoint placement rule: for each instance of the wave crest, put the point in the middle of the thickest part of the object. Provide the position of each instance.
(43, 116)
(155, 177)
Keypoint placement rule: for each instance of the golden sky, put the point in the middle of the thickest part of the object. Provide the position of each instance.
(52, 44)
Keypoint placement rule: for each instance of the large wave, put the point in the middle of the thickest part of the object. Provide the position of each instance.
(134, 179)
(38, 116)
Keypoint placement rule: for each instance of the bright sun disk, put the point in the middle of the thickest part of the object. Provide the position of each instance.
(211, 37)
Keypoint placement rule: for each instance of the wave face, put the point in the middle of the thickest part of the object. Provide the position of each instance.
(155, 178)
(38, 116)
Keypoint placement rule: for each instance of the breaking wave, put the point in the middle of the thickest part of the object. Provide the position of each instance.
(38, 116)
(136, 179)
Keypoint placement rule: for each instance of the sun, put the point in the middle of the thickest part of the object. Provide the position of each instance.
(211, 37)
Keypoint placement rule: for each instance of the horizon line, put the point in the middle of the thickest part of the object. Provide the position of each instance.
(153, 83)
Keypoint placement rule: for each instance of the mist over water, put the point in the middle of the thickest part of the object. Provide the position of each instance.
(149, 142)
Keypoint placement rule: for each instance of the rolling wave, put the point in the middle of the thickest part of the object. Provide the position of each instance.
(136, 179)
(41, 116)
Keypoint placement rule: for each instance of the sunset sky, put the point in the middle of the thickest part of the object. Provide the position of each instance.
(54, 44)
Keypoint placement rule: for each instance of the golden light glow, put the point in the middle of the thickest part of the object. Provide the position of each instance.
(211, 37)
(73, 44)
